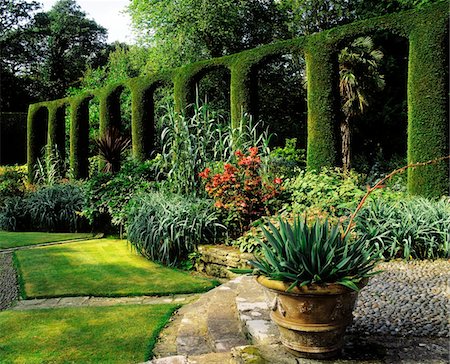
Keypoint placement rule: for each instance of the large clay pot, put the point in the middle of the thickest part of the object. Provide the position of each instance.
(312, 319)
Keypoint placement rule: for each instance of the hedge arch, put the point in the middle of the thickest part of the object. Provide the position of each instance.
(426, 30)
(37, 135)
(143, 114)
(79, 136)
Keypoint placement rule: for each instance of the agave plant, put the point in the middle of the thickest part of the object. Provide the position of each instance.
(303, 255)
(111, 147)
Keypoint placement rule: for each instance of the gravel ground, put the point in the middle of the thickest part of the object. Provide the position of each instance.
(8, 281)
(407, 299)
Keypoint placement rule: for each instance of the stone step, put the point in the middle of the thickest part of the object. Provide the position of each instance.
(209, 325)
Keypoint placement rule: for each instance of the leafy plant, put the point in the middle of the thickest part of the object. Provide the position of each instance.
(53, 208)
(415, 228)
(240, 190)
(285, 161)
(301, 255)
(49, 169)
(107, 195)
(112, 147)
(166, 228)
(13, 215)
(12, 183)
(330, 190)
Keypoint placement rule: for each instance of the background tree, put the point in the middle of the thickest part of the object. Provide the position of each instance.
(185, 31)
(15, 55)
(69, 43)
(359, 79)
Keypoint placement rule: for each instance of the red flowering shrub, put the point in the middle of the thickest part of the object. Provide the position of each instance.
(240, 190)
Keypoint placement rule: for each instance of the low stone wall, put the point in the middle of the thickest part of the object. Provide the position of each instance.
(216, 260)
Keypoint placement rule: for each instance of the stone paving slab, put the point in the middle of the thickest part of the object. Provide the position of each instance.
(84, 301)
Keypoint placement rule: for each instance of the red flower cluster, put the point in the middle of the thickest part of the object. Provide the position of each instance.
(240, 189)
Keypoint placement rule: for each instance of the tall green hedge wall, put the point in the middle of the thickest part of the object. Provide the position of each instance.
(426, 30)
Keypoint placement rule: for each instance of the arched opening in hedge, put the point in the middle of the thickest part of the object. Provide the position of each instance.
(37, 137)
(211, 86)
(378, 128)
(278, 97)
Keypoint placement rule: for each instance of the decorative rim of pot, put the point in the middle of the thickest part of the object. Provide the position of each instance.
(310, 289)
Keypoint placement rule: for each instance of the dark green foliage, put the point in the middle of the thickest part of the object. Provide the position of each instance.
(301, 255)
(79, 137)
(13, 215)
(107, 195)
(285, 162)
(112, 147)
(166, 228)
(53, 209)
(12, 183)
(417, 228)
(13, 137)
(428, 125)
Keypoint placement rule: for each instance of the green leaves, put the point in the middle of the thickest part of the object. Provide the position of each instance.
(166, 228)
(416, 228)
(304, 254)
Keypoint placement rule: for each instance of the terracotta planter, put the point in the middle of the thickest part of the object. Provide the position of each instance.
(312, 320)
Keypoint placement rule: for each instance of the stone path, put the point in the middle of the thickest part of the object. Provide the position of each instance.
(9, 291)
(194, 335)
(102, 301)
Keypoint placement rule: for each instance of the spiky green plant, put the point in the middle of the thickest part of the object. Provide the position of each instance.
(112, 147)
(301, 255)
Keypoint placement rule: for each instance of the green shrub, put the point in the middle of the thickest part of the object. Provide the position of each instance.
(331, 191)
(55, 208)
(12, 183)
(107, 194)
(415, 228)
(284, 162)
(166, 228)
(13, 215)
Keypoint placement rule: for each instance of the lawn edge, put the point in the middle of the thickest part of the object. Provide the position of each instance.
(154, 338)
(19, 274)
(50, 243)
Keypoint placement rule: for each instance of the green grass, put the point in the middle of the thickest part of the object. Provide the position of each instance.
(13, 239)
(103, 267)
(114, 334)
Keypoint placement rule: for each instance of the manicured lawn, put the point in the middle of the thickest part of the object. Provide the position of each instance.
(115, 334)
(104, 267)
(13, 239)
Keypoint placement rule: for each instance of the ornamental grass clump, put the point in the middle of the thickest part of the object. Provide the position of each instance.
(303, 255)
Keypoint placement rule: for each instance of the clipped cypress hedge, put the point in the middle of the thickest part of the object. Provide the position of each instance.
(426, 30)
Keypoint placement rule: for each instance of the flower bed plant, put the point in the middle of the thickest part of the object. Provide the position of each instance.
(241, 192)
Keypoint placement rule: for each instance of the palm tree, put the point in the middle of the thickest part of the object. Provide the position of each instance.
(359, 78)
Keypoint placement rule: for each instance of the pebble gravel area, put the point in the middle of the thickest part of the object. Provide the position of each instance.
(406, 299)
(8, 281)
